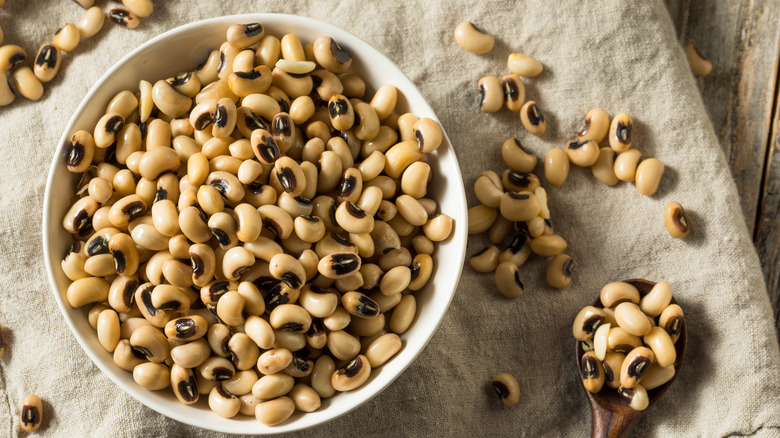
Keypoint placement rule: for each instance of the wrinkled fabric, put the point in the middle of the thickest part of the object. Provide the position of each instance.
(621, 56)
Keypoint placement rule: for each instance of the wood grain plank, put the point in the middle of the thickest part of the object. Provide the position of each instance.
(742, 39)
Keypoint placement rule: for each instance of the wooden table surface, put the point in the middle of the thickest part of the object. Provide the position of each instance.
(742, 39)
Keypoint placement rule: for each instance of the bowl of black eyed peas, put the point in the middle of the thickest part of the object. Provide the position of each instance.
(253, 224)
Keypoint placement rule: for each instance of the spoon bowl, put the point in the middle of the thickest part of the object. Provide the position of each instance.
(611, 415)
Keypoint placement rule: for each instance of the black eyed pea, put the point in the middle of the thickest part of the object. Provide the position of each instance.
(386, 211)
(480, 218)
(210, 200)
(125, 254)
(87, 290)
(47, 62)
(125, 357)
(370, 200)
(80, 150)
(166, 218)
(242, 36)
(123, 17)
(486, 260)
(519, 181)
(145, 101)
(635, 366)
(507, 388)
(648, 176)
(230, 308)
(152, 376)
(291, 85)
(276, 411)
(186, 83)
(169, 101)
(620, 132)
(675, 220)
(583, 154)
(169, 297)
(126, 210)
(488, 189)
(626, 164)
(559, 271)
(223, 227)
(271, 386)
(329, 54)
(67, 37)
(393, 258)
(260, 331)
(352, 375)
(91, 22)
(350, 186)
(292, 48)
(339, 265)
(400, 156)
(382, 142)
(428, 133)
(619, 339)
(631, 319)
(395, 280)
(10, 56)
(248, 222)
(414, 180)
(657, 376)
(186, 328)
(203, 262)
(438, 227)
(618, 292)
(382, 349)
(472, 39)
(292, 341)
(548, 245)
(591, 372)
(204, 385)
(341, 113)
(143, 298)
(217, 368)
(334, 243)
(338, 320)
(184, 384)
(403, 314)
(305, 398)
(309, 261)
(248, 404)
(508, 280)
(227, 56)
(365, 328)
(108, 329)
(354, 86)
(401, 226)
(663, 348)
(223, 403)
(611, 364)
(514, 91)
(141, 8)
(421, 245)
(296, 67)
(273, 361)
(290, 317)
(157, 161)
(100, 189)
(366, 121)
(224, 118)
(73, 266)
(284, 132)
(302, 109)
(519, 206)
(384, 100)
(700, 66)
(342, 345)
(218, 337)
(324, 367)
(636, 397)
(532, 118)
(657, 299)
(359, 305)
(78, 219)
(491, 94)
(556, 166)
(596, 126)
(672, 320)
(107, 128)
(100, 265)
(276, 220)
(410, 209)
(237, 260)
(291, 177)
(310, 229)
(227, 185)
(421, 270)
(152, 343)
(330, 167)
(587, 322)
(385, 183)
(319, 302)
(604, 168)
(524, 65)
(244, 353)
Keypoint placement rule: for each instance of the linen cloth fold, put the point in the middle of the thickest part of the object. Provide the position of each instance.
(621, 56)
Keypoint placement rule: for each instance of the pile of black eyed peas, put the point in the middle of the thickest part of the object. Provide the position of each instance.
(28, 82)
(629, 344)
(254, 230)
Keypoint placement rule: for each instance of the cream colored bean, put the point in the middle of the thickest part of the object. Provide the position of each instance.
(657, 299)
(618, 292)
(472, 39)
(559, 271)
(26, 83)
(384, 101)
(91, 22)
(596, 126)
(621, 132)
(47, 61)
(676, 221)
(524, 65)
(491, 94)
(152, 376)
(626, 165)
(438, 227)
(700, 66)
(67, 37)
(403, 314)
(276, 411)
(604, 168)
(331, 55)
(631, 319)
(648, 176)
(108, 329)
(242, 36)
(583, 154)
(532, 118)
(587, 322)
(514, 91)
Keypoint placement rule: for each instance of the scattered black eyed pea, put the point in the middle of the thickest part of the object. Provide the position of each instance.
(223, 403)
(559, 271)
(481, 218)
(486, 260)
(592, 373)
(472, 39)
(91, 22)
(631, 319)
(587, 322)
(548, 245)
(516, 181)
(10, 56)
(583, 154)
(518, 250)
(67, 37)
(329, 54)
(124, 18)
(700, 66)
(618, 292)
(517, 157)
(507, 389)
(626, 165)
(556, 166)
(675, 220)
(635, 366)
(488, 189)
(518, 206)
(604, 168)
(648, 176)
(532, 118)
(508, 280)
(620, 132)
(596, 126)
(491, 94)
(32, 413)
(672, 320)
(514, 91)
(274, 411)
(47, 62)
(612, 363)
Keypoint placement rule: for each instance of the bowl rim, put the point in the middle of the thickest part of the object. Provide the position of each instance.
(357, 46)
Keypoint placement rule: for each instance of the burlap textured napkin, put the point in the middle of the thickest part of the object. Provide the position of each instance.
(621, 56)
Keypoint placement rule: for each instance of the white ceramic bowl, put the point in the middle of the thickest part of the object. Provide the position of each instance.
(181, 49)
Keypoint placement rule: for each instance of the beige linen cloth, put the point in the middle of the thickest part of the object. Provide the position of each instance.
(621, 56)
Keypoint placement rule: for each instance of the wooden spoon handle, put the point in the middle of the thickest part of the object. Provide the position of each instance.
(612, 423)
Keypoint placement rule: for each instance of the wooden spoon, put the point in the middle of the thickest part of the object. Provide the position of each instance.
(611, 415)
